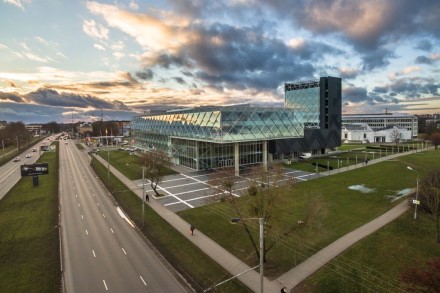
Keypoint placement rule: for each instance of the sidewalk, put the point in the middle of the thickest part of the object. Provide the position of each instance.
(305, 269)
(223, 257)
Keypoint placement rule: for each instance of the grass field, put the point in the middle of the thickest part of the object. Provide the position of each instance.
(192, 263)
(29, 240)
(375, 263)
(342, 211)
(127, 164)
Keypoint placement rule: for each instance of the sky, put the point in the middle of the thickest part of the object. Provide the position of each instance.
(69, 61)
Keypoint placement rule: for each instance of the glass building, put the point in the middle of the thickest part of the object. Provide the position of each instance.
(212, 137)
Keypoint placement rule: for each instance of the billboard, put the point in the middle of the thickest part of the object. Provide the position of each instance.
(34, 169)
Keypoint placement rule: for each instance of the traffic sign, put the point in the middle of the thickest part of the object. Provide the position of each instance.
(417, 202)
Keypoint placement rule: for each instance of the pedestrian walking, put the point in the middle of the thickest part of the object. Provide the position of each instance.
(192, 228)
(147, 197)
(283, 290)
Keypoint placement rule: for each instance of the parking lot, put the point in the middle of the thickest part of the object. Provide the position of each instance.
(189, 190)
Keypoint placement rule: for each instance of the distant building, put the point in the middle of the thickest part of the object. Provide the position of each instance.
(384, 121)
(3, 124)
(36, 129)
(235, 136)
(85, 129)
(363, 133)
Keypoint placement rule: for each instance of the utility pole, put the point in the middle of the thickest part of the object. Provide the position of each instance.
(143, 194)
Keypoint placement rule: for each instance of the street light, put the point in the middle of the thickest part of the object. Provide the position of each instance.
(143, 194)
(416, 202)
(261, 221)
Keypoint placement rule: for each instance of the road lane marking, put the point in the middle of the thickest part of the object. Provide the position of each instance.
(93, 195)
(74, 187)
(97, 203)
(105, 285)
(76, 195)
(103, 216)
(142, 279)
(124, 250)
(94, 255)
(79, 205)
(87, 232)
(112, 230)
(82, 217)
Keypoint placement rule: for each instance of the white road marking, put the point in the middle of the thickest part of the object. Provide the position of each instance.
(97, 203)
(74, 187)
(94, 255)
(87, 232)
(124, 250)
(79, 205)
(106, 288)
(112, 230)
(93, 195)
(142, 279)
(76, 195)
(103, 216)
(82, 217)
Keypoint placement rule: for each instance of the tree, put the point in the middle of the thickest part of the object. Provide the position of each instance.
(435, 139)
(430, 197)
(422, 278)
(263, 197)
(395, 136)
(155, 163)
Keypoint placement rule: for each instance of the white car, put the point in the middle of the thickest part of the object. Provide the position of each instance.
(28, 155)
(16, 159)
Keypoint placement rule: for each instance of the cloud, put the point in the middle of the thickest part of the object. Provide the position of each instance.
(348, 73)
(424, 45)
(134, 5)
(12, 97)
(427, 59)
(97, 31)
(17, 3)
(410, 88)
(99, 47)
(355, 94)
(146, 74)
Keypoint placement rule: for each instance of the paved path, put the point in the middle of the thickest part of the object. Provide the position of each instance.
(220, 255)
(305, 269)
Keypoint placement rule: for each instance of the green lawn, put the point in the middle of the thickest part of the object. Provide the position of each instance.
(342, 211)
(375, 263)
(193, 264)
(129, 165)
(29, 240)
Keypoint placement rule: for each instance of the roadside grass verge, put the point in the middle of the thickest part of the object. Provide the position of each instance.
(29, 239)
(197, 268)
(79, 146)
(342, 210)
(129, 165)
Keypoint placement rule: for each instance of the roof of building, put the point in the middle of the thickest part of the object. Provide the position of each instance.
(379, 115)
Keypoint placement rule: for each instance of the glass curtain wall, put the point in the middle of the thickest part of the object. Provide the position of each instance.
(304, 98)
(202, 155)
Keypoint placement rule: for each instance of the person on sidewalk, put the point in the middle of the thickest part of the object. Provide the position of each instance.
(283, 290)
(147, 197)
(192, 228)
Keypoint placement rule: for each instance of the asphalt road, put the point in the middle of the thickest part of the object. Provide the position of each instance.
(10, 172)
(101, 251)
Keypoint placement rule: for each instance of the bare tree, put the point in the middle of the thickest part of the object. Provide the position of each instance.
(395, 136)
(430, 197)
(263, 197)
(155, 163)
(435, 139)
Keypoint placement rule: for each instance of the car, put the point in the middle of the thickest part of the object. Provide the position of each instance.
(16, 159)
(34, 150)
(28, 156)
(66, 142)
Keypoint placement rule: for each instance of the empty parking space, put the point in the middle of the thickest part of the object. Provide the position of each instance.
(190, 190)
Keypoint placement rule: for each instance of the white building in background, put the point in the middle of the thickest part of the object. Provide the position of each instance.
(363, 133)
(379, 122)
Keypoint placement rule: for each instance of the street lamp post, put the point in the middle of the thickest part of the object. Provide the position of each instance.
(416, 203)
(261, 221)
(143, 194)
